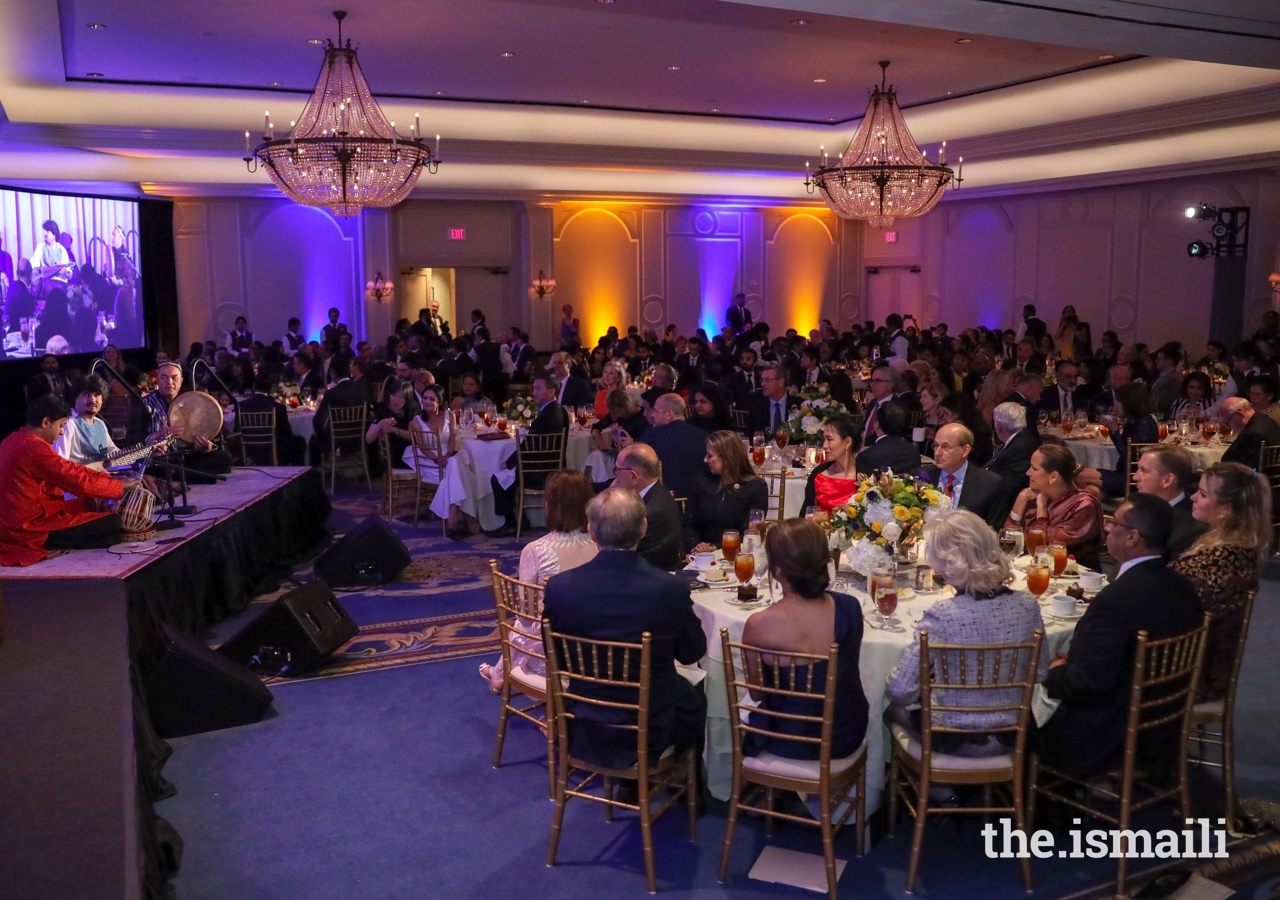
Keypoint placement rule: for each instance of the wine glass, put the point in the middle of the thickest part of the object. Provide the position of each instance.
(755, 519)
(781, 436)
(1038, 578)
(1044, 418)
(744, 566)
(1059, 554)
(730, 541)
(757, 439)
(1011, 543)
(883, 588)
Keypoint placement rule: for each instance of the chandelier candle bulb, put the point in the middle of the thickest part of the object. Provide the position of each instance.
(247, 148)
(394, 136)
(437, 153)
(942, 154)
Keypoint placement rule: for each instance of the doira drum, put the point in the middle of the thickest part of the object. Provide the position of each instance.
(195, 415)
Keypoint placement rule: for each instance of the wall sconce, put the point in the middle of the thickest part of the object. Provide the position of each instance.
(542, 285)
(378, 289)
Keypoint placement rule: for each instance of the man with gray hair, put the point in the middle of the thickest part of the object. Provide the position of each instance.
(662, 546)
(664, 382)
(770, 408)
(617, 596)
(1253, 432)
(1016, 443)
(679, 444)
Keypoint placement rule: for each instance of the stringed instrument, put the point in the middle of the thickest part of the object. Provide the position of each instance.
(127, 457)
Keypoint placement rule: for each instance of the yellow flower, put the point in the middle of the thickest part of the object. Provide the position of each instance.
(932, 496)
(859, 497)
(882, 542)
(901, 513)
(875, 526)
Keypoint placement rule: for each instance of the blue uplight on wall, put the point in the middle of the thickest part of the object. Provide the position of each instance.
(718, 262)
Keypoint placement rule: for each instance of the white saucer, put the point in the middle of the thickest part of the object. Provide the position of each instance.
(727, 582)
(1070, 618)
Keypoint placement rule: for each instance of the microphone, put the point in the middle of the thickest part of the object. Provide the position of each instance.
(222, 384)
(127, 386)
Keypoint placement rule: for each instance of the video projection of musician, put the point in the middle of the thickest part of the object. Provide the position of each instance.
(35, 515)
(198, 453)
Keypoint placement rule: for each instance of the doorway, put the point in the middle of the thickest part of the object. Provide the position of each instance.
(425, 284)
(894, 289)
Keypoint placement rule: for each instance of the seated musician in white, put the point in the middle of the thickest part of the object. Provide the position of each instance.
(50, 260)
(86, 437)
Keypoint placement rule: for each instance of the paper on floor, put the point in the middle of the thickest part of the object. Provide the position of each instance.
(802, 870)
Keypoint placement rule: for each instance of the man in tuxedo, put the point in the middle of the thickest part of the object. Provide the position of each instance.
(19, 301)
(571, 390)
(1167, 471)
(239, 339)
(349, 390)
(551, 418)
(1086, 733)
(1253, 432)
(769, 408)
(307, 375)
(521, 355)
(891, 449)
(48, 381)
(662, 545)
(1167, 387)
(493, 361)
(680, 445)
(739, 317)
(812, 371)
(291, 449)
(332, 367)
(744, 383)
(969, 487)
(1027, 390)
(690, 365)
(1016, 443)
(1105, 401)
(885, 382)
(617, 596)
(1064, 398)
(664, 382)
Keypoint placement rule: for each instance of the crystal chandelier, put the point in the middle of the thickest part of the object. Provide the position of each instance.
(883, 174)
(343, 153)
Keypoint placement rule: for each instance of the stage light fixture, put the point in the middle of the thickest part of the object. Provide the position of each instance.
(1200, 250)
(1201, 212)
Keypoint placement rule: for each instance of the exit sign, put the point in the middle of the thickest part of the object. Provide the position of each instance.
(891, 237)
(457, 234)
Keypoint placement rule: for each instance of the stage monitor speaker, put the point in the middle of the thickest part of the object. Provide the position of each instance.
(368, 554)
(293, 633)
(191, 689)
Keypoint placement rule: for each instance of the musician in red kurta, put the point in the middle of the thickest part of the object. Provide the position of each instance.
(35, 517)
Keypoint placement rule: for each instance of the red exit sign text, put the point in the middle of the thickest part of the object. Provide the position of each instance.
(891, 237)
(457, 234)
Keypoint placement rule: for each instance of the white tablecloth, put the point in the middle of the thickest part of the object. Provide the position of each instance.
(1102, 454)
(880, 652)
(301, 420)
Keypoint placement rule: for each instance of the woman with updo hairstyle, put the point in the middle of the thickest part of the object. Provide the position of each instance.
(808, 619)
(965, 553)
(1055, 503)
(722, 498)
(1234, 506)
(833, 482)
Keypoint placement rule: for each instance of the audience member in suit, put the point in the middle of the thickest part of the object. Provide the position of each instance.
(1167, 471)
(351, 391)
(664, 382)
(333, 368)
(1017, 442)
(969, 486)
(812, 371)
(1253, 432)
(885, 382)
(1167, 387)
(571, 390)
(291, 449)
(739, 317)
(744, 384)
(892, 449)
(770, 408)
(48, 381)
(1085, 735)
(551, 419)
(488, 355)
(1027, 389)
(691, 365)
(1064, 398)
(522, 355)
(680, 445)
(1104, 401)
(640, 599)
(722, 499)
(663, 543)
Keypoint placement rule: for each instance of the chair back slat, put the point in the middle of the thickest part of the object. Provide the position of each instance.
(969, 679)
(1166, 674)
(740, 420)
(519, 608)
(541, 454)
(777, 485)
(257, 430)
(346, 422)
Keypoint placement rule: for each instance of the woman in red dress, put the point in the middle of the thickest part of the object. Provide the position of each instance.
(835, 481)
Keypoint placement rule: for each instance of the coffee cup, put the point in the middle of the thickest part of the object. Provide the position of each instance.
(704, 561)
(1063, 605)
(1090, 581)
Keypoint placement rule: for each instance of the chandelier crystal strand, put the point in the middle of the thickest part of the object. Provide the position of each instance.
(882, 175)
(343, 153)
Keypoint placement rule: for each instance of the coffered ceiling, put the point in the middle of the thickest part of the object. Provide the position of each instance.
(715, 98)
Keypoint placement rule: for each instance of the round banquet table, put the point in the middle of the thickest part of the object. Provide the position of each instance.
(880, 652)
(1101, 453)
(797, 479)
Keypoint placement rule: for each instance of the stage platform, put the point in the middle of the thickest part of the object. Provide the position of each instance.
(80, 764)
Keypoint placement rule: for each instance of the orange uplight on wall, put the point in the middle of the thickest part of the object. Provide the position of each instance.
(598, 271)
(799, 262)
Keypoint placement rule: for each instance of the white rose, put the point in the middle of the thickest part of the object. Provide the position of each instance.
(528, 413)
(891, 531)
(811, 424)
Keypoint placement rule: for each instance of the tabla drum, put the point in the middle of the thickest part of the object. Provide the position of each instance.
(195, 414)
(137, 513)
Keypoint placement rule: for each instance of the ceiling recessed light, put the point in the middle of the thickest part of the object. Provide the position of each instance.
(506, 54)
(315, 41)
(715, 109)
(273, 84)
(673, 68)
(1107, 56)
(799, 21)
(964, 40)
(819, 81)
(831, 118)
(96, 26)
(584, 101)
(604, 2)
(439, 93)
(949, 93)
(95, 75)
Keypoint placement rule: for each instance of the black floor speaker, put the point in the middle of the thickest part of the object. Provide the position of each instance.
(293, 633)
(368, 554)
(191, 689)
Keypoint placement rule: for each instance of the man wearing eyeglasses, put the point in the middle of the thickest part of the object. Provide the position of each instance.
(770, 408)
(884, 384)
(1086, 733)
(662, 545)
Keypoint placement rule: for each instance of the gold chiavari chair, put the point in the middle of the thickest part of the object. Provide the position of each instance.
(1131, 466)
(454, 387)
(346, 430)
(615, 669)
(519, 608)
(426, 454)
(1269, 468)
(776, 482)
(740, 418)
(840, 784)
(257, 430)
(680, 501)
(1165, 675)
(538, 455)
(956, 679)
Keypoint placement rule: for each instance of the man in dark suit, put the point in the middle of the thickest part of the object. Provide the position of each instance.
(1064, 397)
(571, 390)
(769, 408)
(1104, 402)
(48, 381)
(1167, 471)
(680, 445)
(1027, 388)
(664, 382)
(1253, 432)
(662, 546)
(345, 391)
(885, 382)
(488, 358)
(1015, 444)
(891, 449)
(551, 418)
(812, 371)
(291, 448)
(690, 365)
(521, 355)
(739, 317)
(617, 596)
(970, 487)
(1086, 733)
(307, 375)
(744, 384)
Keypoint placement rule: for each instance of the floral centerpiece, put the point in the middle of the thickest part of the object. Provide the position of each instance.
(806, 420)
(886, 514)
(520, 411)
